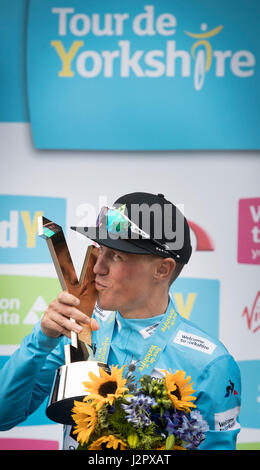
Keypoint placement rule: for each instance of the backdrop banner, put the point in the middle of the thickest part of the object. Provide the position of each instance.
(19, 241)
(143, 75)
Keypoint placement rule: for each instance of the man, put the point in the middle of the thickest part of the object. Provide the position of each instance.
(144, 244)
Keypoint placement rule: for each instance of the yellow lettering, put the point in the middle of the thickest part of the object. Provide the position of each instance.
(30, 228)
(185, 309)
(66, 57)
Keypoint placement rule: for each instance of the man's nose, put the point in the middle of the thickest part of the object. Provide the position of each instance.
(101, 266)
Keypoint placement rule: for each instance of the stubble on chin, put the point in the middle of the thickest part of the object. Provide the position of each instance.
(103, 305)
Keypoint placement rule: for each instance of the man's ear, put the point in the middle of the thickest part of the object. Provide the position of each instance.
(164, 269)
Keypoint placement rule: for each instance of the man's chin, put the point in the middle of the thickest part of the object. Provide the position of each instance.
(105, 305)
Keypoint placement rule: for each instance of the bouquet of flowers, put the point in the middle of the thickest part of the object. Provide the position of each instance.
(157, 414)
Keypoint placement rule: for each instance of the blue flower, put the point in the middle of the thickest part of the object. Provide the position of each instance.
(198, 426)
(177, 422)
(188, 428)
(138, 410)
(198, 422)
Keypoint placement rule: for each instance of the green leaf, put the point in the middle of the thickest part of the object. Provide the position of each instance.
(132, 440)
(170, 442)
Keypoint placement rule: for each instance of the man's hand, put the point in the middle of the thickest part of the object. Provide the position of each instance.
(57, 321)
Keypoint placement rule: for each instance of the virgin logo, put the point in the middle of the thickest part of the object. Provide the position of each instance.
(253, 316)
(204, 241)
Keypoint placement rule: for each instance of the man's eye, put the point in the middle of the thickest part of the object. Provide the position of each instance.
(117, 257)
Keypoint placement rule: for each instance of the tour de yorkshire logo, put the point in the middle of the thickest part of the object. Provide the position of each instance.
(199, 58)
(202, 53)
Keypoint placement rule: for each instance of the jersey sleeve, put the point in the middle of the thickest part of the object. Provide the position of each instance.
(219, 401)
(26, 378)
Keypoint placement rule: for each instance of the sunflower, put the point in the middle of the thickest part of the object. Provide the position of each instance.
(109, 441)
(85, 418)
(179, 390)
(106, 388)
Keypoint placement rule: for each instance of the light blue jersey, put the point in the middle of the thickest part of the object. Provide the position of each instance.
(26, 379)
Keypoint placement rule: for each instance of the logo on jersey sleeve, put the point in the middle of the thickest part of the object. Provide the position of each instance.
(230, 389)
(227, 420)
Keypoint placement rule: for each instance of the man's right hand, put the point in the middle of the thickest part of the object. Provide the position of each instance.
(56, 320)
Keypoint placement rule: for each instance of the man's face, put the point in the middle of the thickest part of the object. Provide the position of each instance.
(124, 281)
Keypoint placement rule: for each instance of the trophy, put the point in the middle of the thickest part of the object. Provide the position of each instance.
(79, 359)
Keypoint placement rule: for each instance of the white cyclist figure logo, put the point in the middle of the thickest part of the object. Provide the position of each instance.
(201, 52)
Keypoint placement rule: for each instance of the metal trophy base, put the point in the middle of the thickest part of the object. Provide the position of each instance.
(68, 386)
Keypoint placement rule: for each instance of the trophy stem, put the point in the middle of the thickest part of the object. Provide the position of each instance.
(74, 336)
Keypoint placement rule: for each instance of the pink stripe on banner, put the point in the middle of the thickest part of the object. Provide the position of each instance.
(28, 444)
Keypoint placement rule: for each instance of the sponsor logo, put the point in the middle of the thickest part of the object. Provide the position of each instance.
(197, 300)
(10, 307)
(230, 389)
(227, 420)
(147, 332)
(169, 321)
(23, 300)
(150, 357)
(101, 314)
(95, 53)
(19, 242)
(102, 351)
(35, 312)
(194, 342)
(204, 241)
(249, 231)
(126, 60)
(252, 315)
(185, 306)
